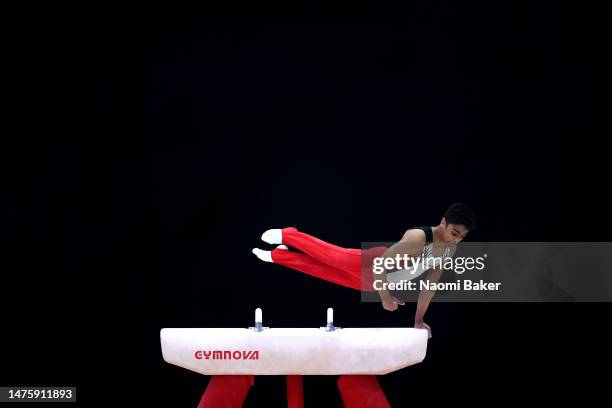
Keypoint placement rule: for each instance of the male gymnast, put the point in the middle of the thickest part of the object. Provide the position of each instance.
(345, 266)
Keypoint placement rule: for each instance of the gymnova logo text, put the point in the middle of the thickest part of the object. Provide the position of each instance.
(227, 354)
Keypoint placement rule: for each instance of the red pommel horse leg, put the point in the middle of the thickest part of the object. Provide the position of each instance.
(295, 391)
(226, 391)
(361, 391)
(230, 391)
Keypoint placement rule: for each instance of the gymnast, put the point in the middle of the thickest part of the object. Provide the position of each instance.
(353, 267)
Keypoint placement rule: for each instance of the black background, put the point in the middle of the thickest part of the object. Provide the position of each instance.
(154, 143)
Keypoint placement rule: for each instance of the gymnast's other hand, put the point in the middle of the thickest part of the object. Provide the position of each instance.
(422, 325)
(390, 302)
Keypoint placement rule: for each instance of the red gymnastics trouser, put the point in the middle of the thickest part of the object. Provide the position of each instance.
(342, 266)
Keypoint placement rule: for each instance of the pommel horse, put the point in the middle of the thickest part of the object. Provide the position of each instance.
(233, 356)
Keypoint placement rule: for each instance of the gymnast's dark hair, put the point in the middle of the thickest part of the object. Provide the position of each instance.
(460, 213)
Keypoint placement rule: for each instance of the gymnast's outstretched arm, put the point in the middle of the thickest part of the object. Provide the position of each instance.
(433, 276)
(411, 243)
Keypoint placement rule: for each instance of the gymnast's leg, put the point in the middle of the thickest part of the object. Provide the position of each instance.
(307, 264)
(346, 259)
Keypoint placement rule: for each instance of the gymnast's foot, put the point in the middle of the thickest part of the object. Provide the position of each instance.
(273, 236)
(266, 256)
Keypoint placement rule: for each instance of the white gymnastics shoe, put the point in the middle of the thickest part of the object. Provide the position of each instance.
(273, 236)
(282, 247)
(265, 256)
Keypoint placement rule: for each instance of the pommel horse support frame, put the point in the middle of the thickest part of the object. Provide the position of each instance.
(233, 356)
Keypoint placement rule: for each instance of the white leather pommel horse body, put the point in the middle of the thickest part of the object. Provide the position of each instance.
(293, 351)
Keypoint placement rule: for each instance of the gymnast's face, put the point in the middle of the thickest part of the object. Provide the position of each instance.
(453, 233)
